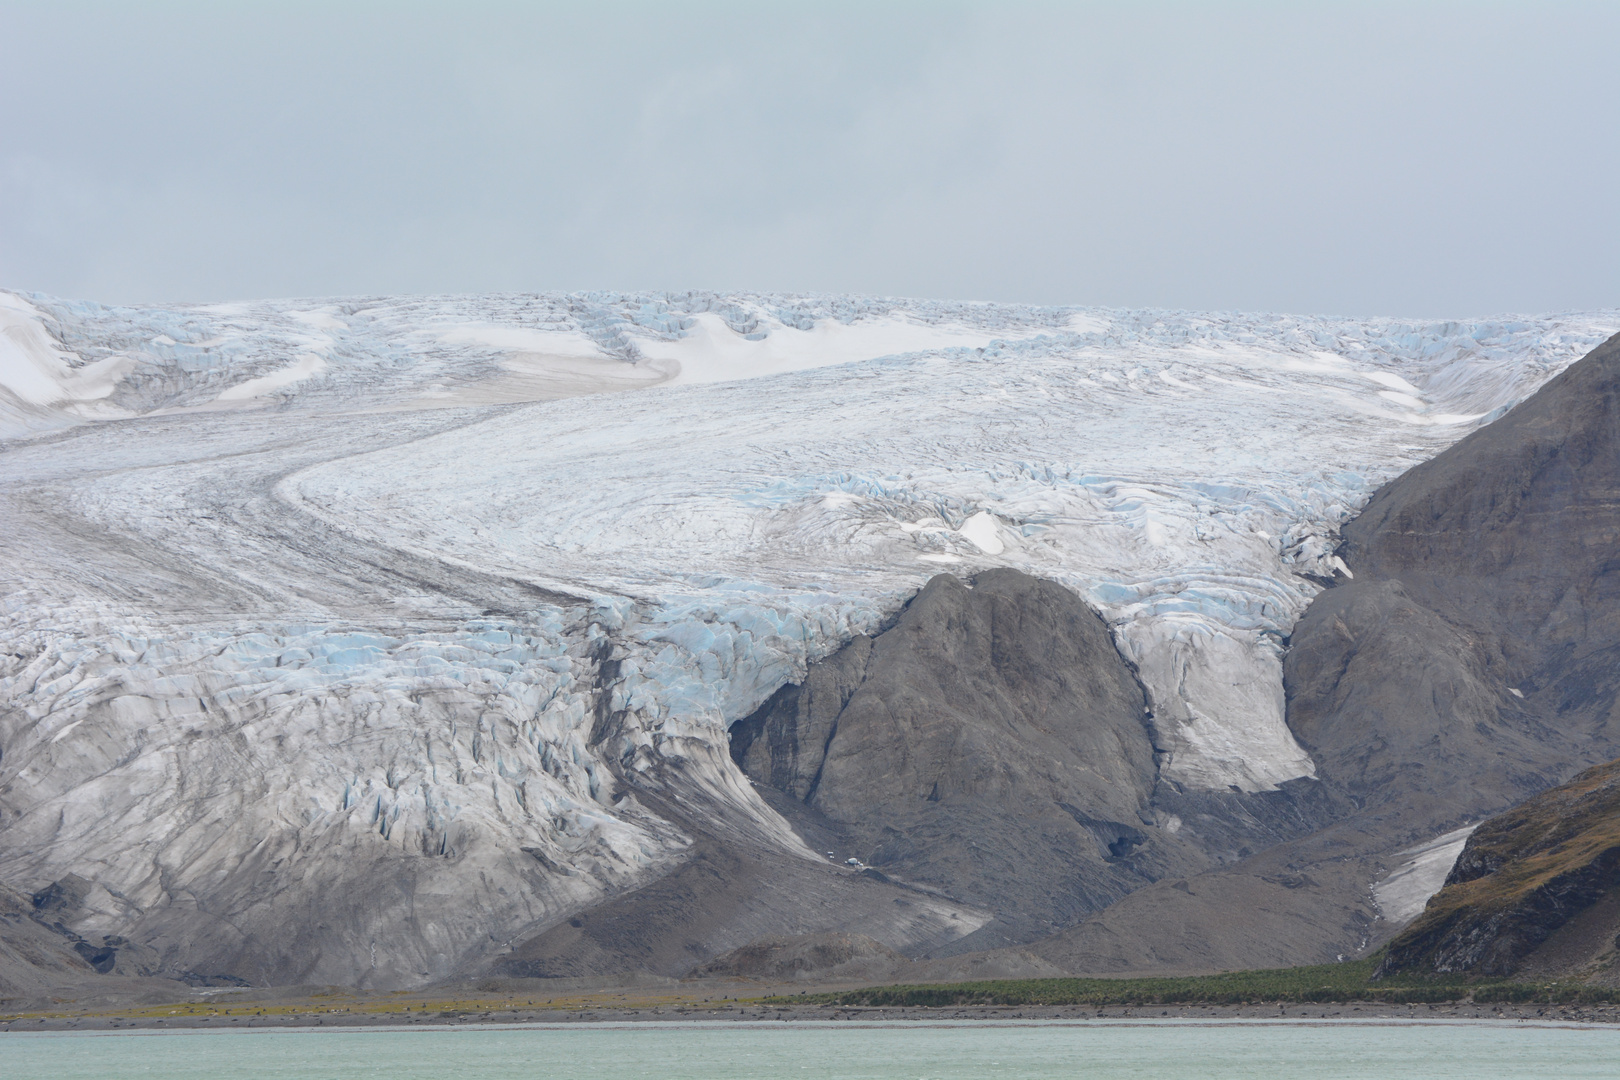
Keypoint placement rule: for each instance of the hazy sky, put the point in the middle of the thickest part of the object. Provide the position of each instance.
(1406, 159)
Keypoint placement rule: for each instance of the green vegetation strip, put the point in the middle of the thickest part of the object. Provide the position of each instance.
(1351, 981)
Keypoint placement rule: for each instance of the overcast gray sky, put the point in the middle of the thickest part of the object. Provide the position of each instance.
(1405, 159)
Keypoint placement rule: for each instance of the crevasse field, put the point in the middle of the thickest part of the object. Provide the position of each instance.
(377, 549)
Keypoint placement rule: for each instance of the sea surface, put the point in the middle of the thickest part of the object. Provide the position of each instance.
(1163, 1050)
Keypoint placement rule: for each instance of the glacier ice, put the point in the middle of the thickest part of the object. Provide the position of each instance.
(1402, 893)
(297, 589)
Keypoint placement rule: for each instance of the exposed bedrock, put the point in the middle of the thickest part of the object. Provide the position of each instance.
(994, 746)
(1400, 706)
(1512, 534)
(1475, 658)
(1471, 661)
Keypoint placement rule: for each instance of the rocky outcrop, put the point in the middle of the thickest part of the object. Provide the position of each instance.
(1547, 869)
(991, 745)
(1473, 657)
(1407, 714)
(1510, 533)
(979, 774)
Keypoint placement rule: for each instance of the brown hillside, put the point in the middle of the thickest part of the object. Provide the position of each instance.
(1536, 890)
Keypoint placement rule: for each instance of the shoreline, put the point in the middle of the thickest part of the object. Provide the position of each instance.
(468, 1015)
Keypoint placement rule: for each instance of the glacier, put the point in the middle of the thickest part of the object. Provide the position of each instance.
(304, 596)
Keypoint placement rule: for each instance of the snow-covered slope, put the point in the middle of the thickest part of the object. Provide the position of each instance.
(345, 598)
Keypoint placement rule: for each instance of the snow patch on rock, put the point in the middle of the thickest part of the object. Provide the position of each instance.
(1402, 894)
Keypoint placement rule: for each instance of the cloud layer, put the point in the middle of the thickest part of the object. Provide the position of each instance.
(1437, 161)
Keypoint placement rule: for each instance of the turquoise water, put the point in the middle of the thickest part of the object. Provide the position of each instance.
(1162, 1050)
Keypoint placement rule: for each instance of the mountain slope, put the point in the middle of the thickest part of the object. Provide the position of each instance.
(1536, 891)
(1464, 662)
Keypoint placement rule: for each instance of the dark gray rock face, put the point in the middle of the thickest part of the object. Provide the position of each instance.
(1394, 703)
(1511, 536)
(1512, 531)
(990, 745)
(784, 744)
(1476, 655)
(723, 896)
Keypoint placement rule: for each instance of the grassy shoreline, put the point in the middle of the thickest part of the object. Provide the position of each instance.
(1321, 984)
(1338, 989)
